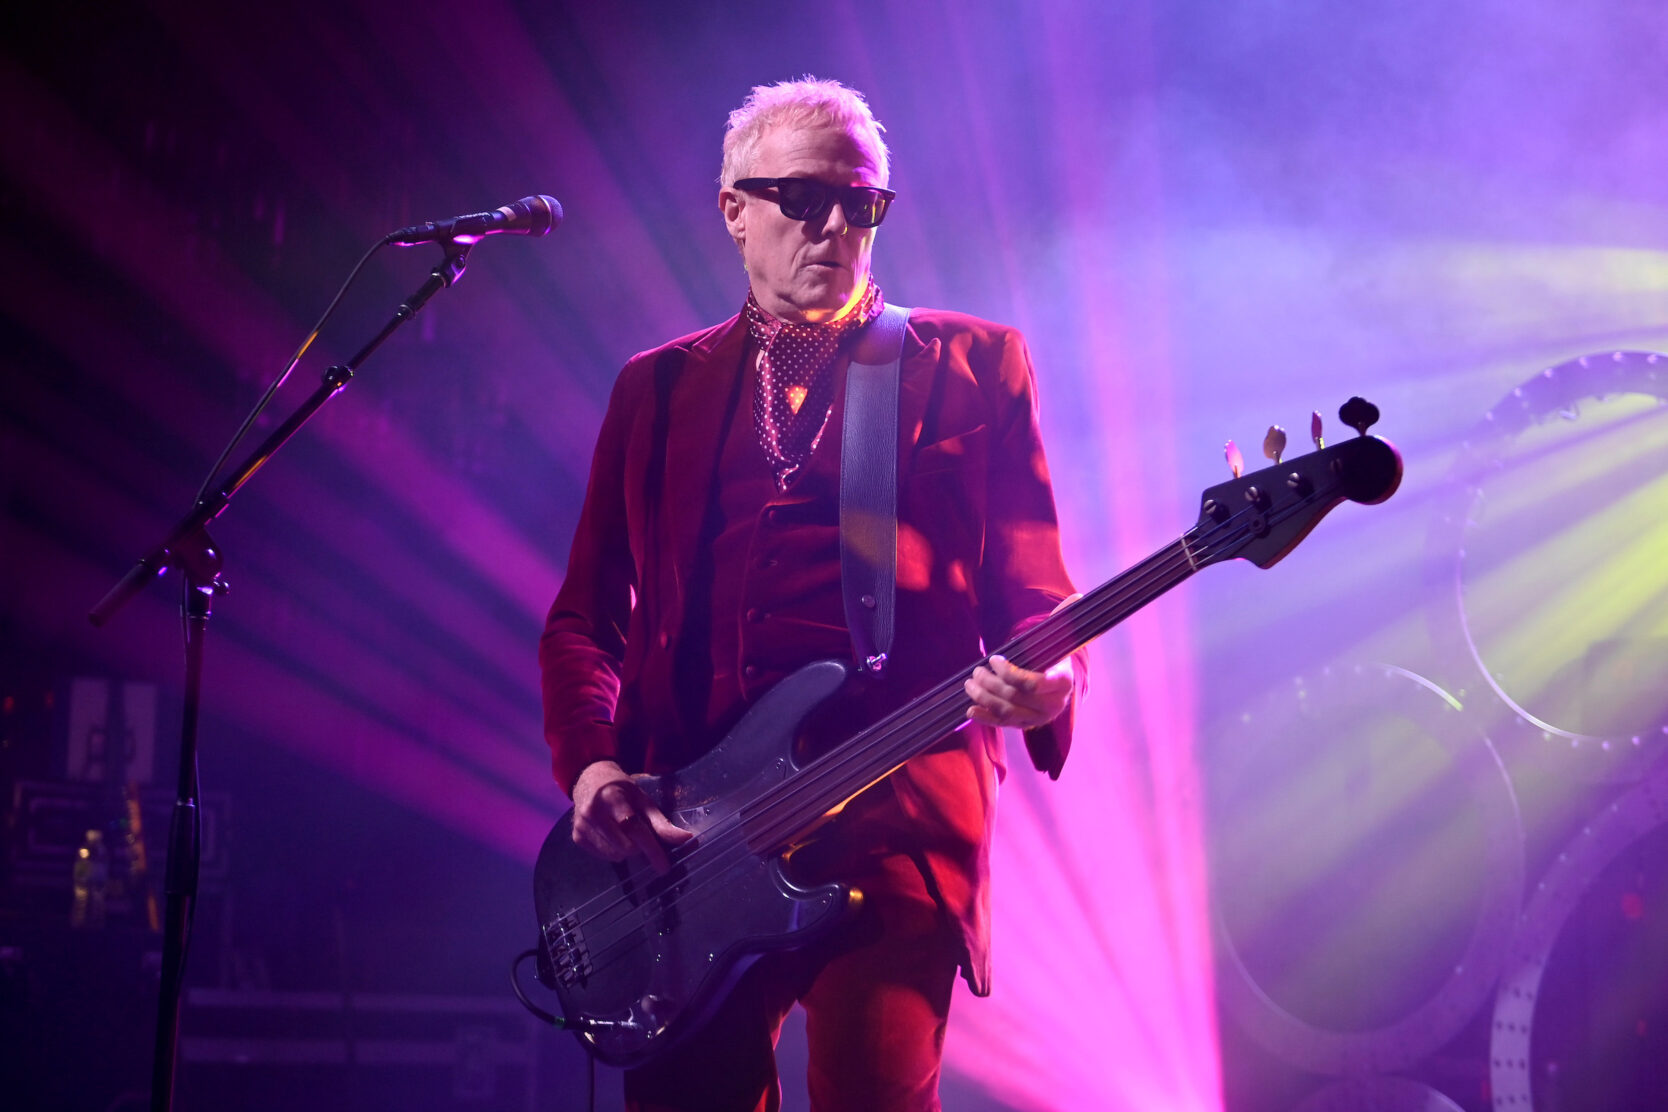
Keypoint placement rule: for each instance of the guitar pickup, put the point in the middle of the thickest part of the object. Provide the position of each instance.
(564, 944)
(654, 898)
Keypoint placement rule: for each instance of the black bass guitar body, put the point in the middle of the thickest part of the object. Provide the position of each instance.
(637, 958)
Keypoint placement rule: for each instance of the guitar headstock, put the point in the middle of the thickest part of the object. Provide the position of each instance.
(1263, 515)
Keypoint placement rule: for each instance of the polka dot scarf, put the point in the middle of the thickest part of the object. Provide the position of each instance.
(795, 391)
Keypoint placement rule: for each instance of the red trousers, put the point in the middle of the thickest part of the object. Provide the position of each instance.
(876, 995)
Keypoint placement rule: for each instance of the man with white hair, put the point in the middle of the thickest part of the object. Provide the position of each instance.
(706, 567)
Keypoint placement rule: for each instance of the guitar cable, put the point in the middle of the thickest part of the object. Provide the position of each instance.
(555, 1021)
(515, 984)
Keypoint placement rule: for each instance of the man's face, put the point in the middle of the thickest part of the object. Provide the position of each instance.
(809, 271)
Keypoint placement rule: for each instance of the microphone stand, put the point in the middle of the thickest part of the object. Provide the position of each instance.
(189, 548)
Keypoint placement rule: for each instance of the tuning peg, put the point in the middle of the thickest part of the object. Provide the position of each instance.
(1359, 414)
(1236, 462)
(1274, 444)
(1315, 430)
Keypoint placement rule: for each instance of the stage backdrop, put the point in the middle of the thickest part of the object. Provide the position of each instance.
(1294, 837)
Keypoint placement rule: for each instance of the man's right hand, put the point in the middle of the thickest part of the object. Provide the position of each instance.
(615, 819)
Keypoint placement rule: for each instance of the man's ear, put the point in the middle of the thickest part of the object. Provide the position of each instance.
(734, 207)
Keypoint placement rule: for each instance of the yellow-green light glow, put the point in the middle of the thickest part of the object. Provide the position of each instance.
(1565, 588)
(1355, 863)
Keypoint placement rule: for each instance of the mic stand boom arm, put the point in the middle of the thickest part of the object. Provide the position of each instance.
(188, 545)
(189, 548)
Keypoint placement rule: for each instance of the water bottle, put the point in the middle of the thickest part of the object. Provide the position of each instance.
(91, 882)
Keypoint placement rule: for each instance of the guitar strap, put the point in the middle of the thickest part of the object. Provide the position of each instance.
(869, 488)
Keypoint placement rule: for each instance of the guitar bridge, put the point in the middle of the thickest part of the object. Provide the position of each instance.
(564, 944)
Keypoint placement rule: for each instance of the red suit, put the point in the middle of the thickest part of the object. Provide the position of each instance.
(694, 584)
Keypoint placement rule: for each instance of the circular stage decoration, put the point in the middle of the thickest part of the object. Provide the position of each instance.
(1555, 544)
(1378, 1094)
(1639, 812)
(1368, 860)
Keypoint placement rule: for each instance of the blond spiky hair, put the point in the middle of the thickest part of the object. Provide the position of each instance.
(808, 101)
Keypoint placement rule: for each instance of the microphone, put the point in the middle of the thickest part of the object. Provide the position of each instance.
(530, 216)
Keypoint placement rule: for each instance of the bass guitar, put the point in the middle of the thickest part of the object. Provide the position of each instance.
(637, 958)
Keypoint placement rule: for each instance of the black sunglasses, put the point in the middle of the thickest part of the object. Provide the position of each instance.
(808, 199)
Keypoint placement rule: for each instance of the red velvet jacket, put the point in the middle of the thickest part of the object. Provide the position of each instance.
(978, 559)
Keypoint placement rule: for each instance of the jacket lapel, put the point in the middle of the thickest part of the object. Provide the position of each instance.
(698, 399)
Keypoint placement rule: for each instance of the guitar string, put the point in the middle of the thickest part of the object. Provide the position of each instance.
(1039, 643)
(607, 940)
(1040, 646)
(719, 851)
(617, 936)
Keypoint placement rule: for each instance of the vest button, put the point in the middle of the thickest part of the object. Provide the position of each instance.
(754, 614)
(751, 671)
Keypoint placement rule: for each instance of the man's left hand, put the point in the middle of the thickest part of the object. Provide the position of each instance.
(1005, 694)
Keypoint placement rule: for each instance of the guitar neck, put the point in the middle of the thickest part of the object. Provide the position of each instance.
(776, 817)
